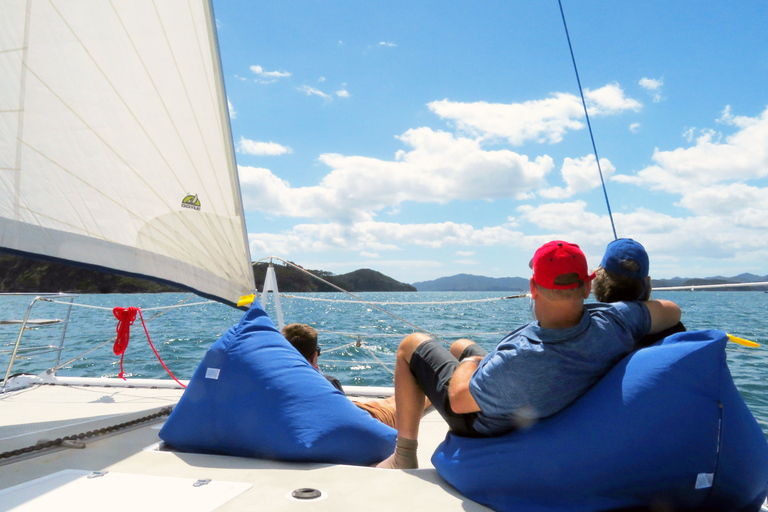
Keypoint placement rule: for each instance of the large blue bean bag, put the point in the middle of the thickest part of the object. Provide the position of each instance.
(254, 395)
(665, 429)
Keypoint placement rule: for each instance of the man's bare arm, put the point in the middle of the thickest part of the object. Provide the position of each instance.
(461, 399)
(664, 314)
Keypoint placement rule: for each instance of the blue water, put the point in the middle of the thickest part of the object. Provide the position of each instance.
(183, 335)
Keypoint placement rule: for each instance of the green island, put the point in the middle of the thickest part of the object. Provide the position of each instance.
(25, 275)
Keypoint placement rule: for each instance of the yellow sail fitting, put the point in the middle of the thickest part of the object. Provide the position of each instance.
(247, 300)
(742, 341)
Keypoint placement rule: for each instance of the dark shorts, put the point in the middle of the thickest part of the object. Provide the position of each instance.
(433, 365)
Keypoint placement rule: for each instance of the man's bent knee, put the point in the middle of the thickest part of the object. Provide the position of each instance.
(409, 344)
(458, 347)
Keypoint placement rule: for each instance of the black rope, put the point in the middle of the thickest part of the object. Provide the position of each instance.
(589, 125)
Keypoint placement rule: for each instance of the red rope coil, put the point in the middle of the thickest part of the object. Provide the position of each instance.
(125, 318)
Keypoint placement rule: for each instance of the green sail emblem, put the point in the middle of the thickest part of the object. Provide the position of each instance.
(191, 201)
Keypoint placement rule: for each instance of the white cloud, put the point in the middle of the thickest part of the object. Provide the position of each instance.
(710, 161)
(250, 147)
(439, 167)
(537, 120)
(743, 205)
(653, 86)
(568, 221)
(366, 254)
(580, 175)
(672, 242)
(311, 91)
(380, 236)
(343, 93)
(232, 112)
(321, 79)
(664, 236)
(387, 44)
(609, 100)
(634, 127)
(269, 75)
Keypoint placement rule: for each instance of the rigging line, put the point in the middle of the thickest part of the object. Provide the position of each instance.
(62, 365)
(357, 362)
(317, 299)
(353, 295)
(708, 286)
(586, 115)
(180, 305)
(383, 365)
(326, 351)
(403, 335)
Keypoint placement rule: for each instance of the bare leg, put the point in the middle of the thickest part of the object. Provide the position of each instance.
(382, 409)
(410, 401)
(458, 347)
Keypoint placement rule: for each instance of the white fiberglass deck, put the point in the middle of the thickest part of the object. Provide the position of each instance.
(141, 477)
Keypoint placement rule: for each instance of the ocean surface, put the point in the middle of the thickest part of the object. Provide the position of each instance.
(358, 340)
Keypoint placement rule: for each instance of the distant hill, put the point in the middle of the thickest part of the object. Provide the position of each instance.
(741, 278)
(18, 275)
(290, 279)
(23, 275)
(472, 283)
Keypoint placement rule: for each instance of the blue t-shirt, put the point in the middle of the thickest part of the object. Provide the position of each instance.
(536, 372)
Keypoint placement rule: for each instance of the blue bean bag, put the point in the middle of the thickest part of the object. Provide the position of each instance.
(254, 395)
(665, 429)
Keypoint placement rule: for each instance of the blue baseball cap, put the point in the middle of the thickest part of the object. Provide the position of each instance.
(624, 249)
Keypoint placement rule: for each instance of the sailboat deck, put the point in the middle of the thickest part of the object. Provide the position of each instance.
(137, 475)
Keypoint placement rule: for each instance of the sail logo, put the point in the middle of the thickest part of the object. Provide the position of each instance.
(191, 201)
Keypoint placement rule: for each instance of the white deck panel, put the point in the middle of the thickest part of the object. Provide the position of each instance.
(263, 485)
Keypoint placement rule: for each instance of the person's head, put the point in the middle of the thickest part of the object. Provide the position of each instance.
(560, 274)
(304, 339)
(623, 273)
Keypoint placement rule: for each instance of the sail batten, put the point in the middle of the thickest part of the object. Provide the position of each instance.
(115, 145)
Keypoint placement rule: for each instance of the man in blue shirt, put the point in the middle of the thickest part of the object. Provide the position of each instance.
(535, 371)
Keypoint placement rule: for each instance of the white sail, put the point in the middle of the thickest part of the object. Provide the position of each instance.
(115, 144)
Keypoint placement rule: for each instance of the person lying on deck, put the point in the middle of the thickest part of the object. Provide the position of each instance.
(304, 339)
(535, 371)
(623, 276)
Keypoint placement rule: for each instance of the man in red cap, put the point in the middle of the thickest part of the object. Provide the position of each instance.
(535, 371)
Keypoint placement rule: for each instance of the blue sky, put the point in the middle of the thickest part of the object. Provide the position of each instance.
(427, 139)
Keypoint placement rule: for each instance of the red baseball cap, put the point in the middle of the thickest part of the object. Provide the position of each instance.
(559, 265)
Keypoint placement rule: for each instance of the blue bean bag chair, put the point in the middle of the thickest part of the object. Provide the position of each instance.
(254, 395)
(666, 429)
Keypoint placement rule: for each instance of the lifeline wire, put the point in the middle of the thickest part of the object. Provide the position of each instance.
(589, 125)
